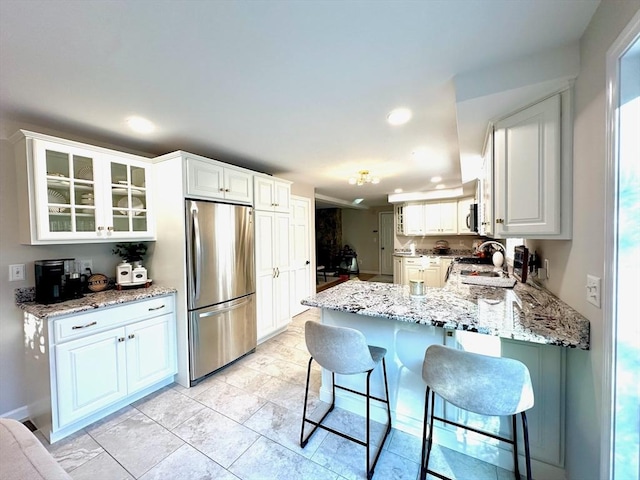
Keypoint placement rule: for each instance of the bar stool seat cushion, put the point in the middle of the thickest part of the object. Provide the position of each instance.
(478, 383)
(341, 350)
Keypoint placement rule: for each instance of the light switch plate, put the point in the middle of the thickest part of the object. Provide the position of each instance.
(593, 290)
(16, 272)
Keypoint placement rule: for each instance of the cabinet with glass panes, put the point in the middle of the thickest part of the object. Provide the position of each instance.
(76, 192)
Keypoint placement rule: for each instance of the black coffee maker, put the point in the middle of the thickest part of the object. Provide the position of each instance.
(56, 281)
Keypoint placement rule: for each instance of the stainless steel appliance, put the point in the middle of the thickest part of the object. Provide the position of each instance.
(472, 218)
(220, 285)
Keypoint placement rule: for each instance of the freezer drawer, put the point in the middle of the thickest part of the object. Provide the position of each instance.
(220, 334)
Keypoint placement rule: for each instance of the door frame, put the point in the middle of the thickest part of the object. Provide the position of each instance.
(380, 237)
(627, 37)
(311, 280)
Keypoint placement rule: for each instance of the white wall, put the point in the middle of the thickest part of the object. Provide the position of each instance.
(571, 261)
(11, 252)
(360, 232)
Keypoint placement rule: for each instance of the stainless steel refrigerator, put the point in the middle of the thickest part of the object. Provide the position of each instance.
(220, 285)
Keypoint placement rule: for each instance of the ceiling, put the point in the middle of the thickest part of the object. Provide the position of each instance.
(294, 88)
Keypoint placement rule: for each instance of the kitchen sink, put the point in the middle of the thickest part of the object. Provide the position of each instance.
(479, 274)
(474, 260)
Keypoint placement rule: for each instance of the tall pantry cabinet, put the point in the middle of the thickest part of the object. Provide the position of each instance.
(273, 259)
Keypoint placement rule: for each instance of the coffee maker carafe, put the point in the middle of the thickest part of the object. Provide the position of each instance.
(51, 280)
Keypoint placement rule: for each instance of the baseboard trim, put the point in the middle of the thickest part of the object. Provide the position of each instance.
(21, 414)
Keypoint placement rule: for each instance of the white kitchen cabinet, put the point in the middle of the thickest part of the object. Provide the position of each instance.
(76, 193)
(273, 272)
(397, 270)
(272, 194)
(464, 216)
(533, 171)
(99, 361)
(413, 215)
(441, 218)
(209, 179)
(426, 269)
(399, 219)
(485, 207)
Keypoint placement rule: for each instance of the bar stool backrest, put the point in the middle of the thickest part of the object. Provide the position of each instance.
(478, 383)
(338, 349)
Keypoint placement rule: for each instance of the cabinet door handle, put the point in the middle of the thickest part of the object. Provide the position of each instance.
(151, 309)
(76, 327)
(131, 335)
(121, 339)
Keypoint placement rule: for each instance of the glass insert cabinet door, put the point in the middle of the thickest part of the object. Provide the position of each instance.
(89, 195)
(128, 197)
(67, 203)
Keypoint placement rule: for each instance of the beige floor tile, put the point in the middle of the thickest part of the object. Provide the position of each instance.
(231, 401)
(268, 460)
(101, 467)
(168, 407)
(138, 443)
(218, 437)
(72, 451)
(283, 426)
(111, 420)
(187, 463)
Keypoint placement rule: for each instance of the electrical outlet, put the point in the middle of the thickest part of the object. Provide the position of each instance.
(84, 264)
(16, 272)
(593, 290)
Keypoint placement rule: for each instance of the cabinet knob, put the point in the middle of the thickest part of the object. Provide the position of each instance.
(110, 229)
(121, 339)
(227, 190)
(131, 335)
(100, 229)
(499, 220)
(221, 189)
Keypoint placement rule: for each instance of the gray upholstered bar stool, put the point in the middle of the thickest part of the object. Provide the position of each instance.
(344, 351)
(479, 384)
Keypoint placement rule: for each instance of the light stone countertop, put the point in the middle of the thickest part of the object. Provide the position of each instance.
(90, 301)
(526, 312)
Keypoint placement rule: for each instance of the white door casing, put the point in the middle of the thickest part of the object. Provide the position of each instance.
(385, 233)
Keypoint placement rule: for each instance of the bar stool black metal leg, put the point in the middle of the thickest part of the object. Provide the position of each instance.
(527, 453)
(303, 442)
(515, 446)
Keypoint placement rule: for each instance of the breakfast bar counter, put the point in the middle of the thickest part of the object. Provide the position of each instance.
(526, 312)
(524, 322)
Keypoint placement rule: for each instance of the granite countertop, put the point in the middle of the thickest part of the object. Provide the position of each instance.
(430, 253)
(91, 301)
(526, 312)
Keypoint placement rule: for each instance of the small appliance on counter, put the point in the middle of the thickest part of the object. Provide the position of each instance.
(58, 280)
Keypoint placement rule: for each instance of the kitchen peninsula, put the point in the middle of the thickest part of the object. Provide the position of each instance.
(525, 322)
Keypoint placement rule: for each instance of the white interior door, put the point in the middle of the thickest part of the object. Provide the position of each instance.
(301, 253)
(386, 243)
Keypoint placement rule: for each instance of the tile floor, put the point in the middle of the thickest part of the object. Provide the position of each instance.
(244, 423)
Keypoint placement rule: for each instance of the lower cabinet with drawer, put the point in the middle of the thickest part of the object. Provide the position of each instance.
(100, 361)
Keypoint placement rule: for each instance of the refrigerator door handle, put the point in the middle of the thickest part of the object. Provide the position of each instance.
(197, 253)
(225, 307)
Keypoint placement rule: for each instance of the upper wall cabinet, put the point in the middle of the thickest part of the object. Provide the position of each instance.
(271, 194)
(70, 192)
(210, 179)
(433, 218)
(485, 206)
(533, 171)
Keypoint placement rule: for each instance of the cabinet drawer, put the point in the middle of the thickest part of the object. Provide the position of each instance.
(83, 324)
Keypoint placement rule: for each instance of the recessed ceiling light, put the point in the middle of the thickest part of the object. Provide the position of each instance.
(397, 190)
(436, 179)
(140, 125)
(358, 201)
(399, 116)
(440, 187)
